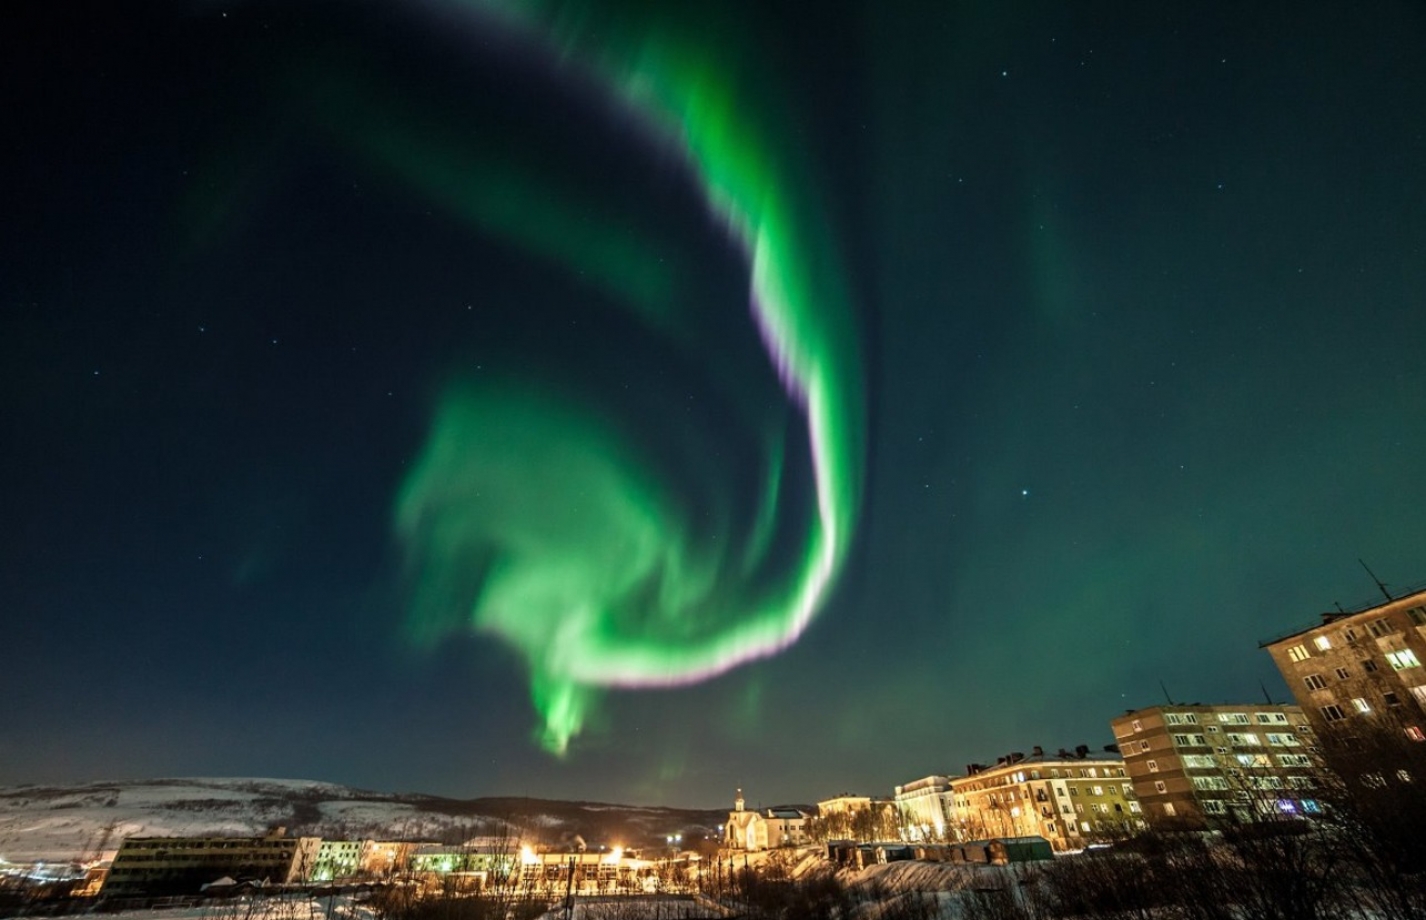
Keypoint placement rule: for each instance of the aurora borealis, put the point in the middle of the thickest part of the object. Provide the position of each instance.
(636, 401)
(598, 586)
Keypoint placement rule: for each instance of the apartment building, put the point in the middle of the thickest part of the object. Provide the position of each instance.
(150, 866)
(1069, 798)
(1198, 766)
(1358, 671)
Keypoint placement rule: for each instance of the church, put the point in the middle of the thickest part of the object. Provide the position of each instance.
(764, 829)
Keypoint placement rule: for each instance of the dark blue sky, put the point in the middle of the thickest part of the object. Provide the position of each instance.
(1138, 294)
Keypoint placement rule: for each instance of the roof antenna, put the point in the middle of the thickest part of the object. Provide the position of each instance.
(1339, 607)
(1266, 694)
(1166, 693)
(1377, 580)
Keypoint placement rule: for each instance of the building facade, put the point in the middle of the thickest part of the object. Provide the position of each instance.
(152, 866)
(1360, 671)
(1070, 799)
(925, 807)
(1201, 766)
(763, 829)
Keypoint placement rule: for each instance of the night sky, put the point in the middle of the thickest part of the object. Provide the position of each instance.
(477, 399)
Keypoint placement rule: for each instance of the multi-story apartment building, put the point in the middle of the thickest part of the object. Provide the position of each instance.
(1360, 670)
(925, 806)
(359, 859)
(1070, 799)
(1197, 766)
(182, 865)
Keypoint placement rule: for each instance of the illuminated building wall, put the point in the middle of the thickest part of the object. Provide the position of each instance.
(763, 829)
(1360, 669)
(1195, 766)
(1070, 799)
(925, 806)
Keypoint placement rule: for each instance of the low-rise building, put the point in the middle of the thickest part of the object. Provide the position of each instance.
(1198, 766)
(858, 817)
(765, 828)
(1069, 798)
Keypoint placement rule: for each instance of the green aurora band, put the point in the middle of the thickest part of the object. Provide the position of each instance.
(578, 556)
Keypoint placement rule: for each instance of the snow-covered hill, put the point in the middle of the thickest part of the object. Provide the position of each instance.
(87, 821)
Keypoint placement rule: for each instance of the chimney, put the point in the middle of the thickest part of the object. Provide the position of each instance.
(1037, 751)
(1015, 757)
(1081, 751)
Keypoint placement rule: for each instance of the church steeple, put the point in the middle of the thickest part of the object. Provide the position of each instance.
(738, 802)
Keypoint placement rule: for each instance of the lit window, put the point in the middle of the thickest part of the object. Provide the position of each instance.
(1215, 806)
(1169, 809)
(1322, 643)
(1143, 746)
(1414, 733)
(1153, 766)
(1403, 659)
(1283, 740)
(1298, 653)
(1294, 760)
(1138, 725)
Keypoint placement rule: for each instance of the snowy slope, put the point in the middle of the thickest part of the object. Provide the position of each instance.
(88, 821)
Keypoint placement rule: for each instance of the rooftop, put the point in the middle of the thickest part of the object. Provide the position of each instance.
(1413, 592)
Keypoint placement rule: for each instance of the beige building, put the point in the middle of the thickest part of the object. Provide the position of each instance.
(858, 817)
(1360, 669)
(1069, 798)
(1197, 766)
(763, 829)
(183, 865)
(925, 808)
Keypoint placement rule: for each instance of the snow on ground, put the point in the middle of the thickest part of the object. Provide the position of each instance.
(279, 908)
